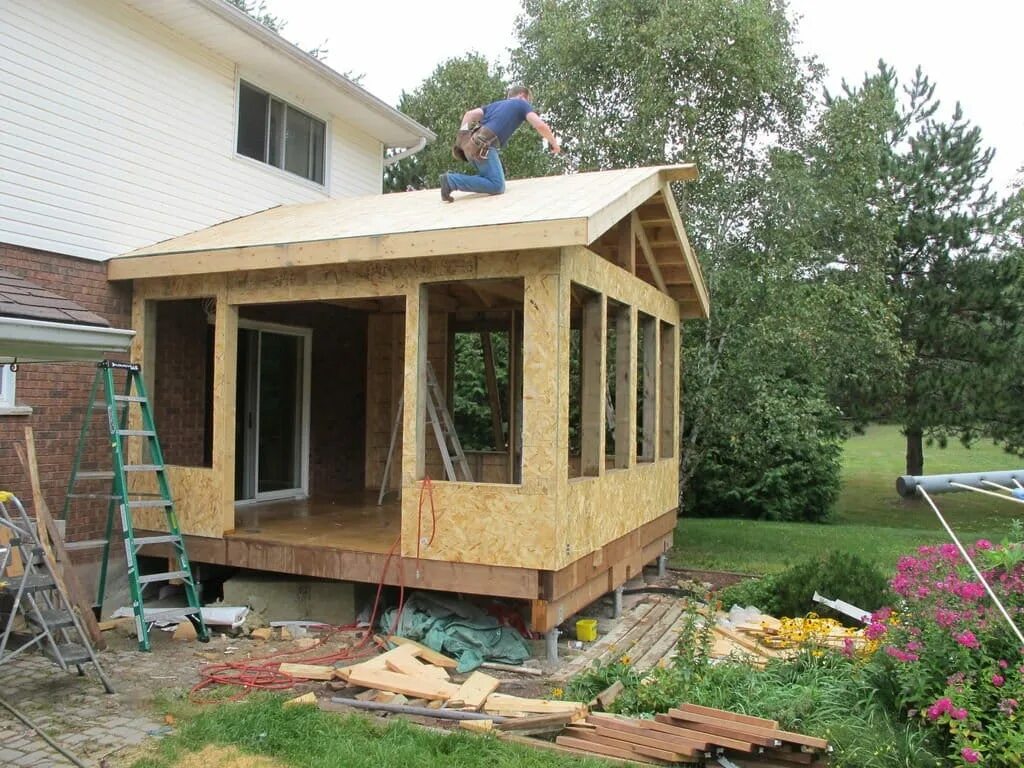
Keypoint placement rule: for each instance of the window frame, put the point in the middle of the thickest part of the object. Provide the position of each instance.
(8, 393)
(285, 105)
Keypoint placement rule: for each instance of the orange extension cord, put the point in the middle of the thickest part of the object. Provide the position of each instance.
(263, 672)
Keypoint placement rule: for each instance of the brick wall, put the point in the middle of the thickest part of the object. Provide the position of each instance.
(337, 443)
(57, 392)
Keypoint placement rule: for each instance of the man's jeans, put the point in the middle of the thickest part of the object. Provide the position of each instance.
(491, 180)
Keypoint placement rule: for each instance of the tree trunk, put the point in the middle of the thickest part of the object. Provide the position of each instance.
(915, 451)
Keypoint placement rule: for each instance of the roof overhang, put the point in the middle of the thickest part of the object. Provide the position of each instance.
(40, 341)
(228, 31)
(540, 213)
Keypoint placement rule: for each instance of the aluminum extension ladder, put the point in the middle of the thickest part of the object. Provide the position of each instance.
(448, 441)
(148, 489)
(40, 597)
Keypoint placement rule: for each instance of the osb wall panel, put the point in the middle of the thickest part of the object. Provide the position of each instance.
(600, 509)
(192, 489)
(481, 523)
(498, 524)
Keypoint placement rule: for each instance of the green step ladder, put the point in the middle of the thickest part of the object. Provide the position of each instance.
(124, 497)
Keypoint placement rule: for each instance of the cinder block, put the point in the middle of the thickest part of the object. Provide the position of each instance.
(278, 597)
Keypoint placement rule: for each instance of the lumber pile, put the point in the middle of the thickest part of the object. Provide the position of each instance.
(765, 637)
(691, 734)
(412, 679)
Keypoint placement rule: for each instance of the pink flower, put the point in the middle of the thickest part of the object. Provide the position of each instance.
(939, 708)
(875, 630)
(1008, 706)
(900, 655)
(958, 713)
(967, 639)
(983, 544)
(1003, 664)
(969, 755)
(956, 679)
(998, 680)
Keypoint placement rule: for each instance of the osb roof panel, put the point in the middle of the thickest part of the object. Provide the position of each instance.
(24, 299)
(527, 201)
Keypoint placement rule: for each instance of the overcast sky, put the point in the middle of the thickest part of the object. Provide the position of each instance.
(972, 50)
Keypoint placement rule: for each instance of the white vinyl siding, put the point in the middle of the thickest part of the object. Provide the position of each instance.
(116, 133)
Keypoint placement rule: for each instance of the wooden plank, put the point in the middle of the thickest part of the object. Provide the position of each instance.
(403, 659)
(692, 263)
(307, 671)
(668, 391)
(751, 730)
(634, 731)
(538, 723)
(603, 749)
(649, 394)
(625, 645)
(665, 724)
(501, 703)
(608, 696)
(725, 714)
(383, 680)
(638, 745)
(645, 247)
(493, 396)
(53, 543)
(425, 653)
(475, 690)
(626, 251)
(659, 641)
(592, 373)
(625, 385)
(565, 750)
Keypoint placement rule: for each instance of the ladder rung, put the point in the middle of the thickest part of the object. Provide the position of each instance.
(70, 653)
(177, 612)
(53, 618)
(107, 496)
(143, 467)
(149, 503)
(136, 433)
(169, 576)
(129, 399)
(98, 475)
(33, 582)
(168, 538)
(87, 544)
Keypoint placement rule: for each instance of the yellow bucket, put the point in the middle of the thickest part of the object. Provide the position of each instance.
(586, 630)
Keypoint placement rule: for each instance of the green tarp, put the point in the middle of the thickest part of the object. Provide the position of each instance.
(457, 629)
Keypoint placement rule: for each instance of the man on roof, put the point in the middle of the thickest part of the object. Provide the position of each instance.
(496, 123)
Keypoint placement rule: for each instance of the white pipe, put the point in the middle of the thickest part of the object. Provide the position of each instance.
(407, 152)
(970, 562)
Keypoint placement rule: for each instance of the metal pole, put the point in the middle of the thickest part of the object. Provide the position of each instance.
(907, 485)
(617, 612)
(551, 644)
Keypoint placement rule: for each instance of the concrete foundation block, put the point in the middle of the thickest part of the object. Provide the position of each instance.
(278, 597)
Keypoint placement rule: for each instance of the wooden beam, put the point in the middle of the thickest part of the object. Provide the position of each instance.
(593, 350)
(691, 258)
(669, 391)
(625, 386)
(652, 264)
(225, 374)
(493, 397)
(626, 252)
(375, 248)
(651, 352)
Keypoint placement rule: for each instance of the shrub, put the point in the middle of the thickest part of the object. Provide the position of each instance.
(775, 458)
(837, 575)
(950, 660)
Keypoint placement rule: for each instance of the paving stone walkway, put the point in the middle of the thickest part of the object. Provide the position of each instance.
(77, 713)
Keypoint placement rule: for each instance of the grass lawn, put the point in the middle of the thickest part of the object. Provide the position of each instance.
(305, 737)
(870, 519)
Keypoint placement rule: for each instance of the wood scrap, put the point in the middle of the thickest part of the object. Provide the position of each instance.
(343, 705)
(537, 724)
(512, 668)
(751, 731)
(477, 725)
(476, 689)
(408, 664)
(635, 747)
(427, 654)
(304, 699)
(502, 703)
(417, 687)
(307, 671)
(565, 749)
(591, 748)
(607, 697)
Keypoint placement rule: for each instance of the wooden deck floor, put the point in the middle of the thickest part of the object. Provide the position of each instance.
(352, 522)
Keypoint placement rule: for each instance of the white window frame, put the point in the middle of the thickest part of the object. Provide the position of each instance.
(8, 388)
(322, 186)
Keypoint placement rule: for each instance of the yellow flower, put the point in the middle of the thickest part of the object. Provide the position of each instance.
(624, 659)
(557, 693)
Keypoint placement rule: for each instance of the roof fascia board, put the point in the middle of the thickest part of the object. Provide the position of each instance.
(527, 235)
(24, 341)
(692, 263)
(246, 23)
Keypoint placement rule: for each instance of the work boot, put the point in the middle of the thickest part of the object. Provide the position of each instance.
(446, 189)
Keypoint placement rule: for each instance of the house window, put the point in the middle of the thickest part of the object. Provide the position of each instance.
(6, 387)
(276, 133)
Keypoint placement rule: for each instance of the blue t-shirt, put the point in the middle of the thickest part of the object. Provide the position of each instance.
(503, 117)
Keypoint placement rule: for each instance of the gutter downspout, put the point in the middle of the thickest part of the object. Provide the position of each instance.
(407, 152)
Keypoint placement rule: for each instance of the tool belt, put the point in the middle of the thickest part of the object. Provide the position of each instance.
(474, 145)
